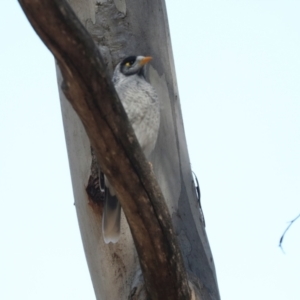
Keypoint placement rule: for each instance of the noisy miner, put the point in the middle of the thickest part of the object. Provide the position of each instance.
(141, 104)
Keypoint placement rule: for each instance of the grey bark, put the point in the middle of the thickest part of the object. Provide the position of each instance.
(120, 28)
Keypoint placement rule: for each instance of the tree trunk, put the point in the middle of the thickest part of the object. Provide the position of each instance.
(120, 29)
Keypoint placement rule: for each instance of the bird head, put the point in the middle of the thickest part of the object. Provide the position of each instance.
(134, 65)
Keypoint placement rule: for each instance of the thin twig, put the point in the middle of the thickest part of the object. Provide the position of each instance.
(282, 237)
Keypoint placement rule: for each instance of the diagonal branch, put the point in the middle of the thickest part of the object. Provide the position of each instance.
(90, 92)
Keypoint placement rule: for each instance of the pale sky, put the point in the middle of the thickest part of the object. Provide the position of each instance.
(238, 72)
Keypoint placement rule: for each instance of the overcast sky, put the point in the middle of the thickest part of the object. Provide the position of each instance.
(238, 71)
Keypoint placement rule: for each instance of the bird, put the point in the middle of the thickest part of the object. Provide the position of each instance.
(142, 106)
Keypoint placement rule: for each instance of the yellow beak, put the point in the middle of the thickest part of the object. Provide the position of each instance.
(145, 60)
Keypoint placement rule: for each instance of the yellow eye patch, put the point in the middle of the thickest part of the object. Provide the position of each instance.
(128, 64)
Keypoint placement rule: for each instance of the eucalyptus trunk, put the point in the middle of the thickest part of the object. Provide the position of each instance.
(121, 28)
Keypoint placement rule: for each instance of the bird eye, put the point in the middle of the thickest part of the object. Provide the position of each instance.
(129, 63)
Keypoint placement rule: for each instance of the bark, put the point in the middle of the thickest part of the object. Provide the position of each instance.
(120, 28)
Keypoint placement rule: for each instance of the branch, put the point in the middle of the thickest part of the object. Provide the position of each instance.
(283, 235)
(91, 94)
